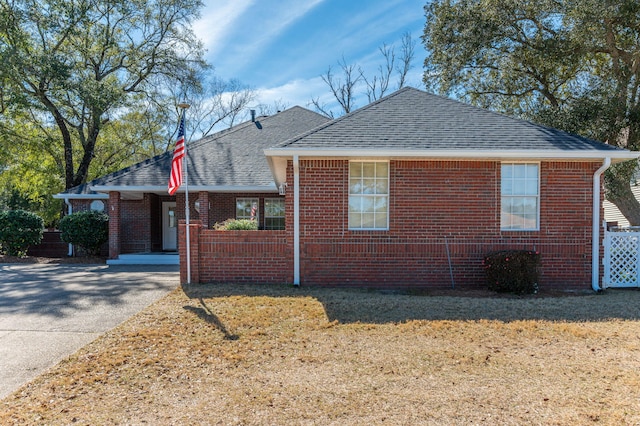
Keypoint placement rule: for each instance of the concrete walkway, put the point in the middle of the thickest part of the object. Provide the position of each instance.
(48, 311)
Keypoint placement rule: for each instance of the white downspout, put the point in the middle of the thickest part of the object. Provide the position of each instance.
(296, 220)
(69, 211)
(595, 238)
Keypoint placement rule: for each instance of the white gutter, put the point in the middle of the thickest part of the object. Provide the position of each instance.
(65, 197)
(296, 220)
(69, 211)
(473, 154)
(192, 188)
(595, 238)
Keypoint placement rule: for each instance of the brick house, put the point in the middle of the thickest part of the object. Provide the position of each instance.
(410, 191)
(414, 189)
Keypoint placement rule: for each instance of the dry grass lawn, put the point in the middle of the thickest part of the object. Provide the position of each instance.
(240, 355)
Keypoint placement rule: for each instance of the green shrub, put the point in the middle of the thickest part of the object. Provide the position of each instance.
(19, 229)
(512, 271)
(88, 230)
(237, 225)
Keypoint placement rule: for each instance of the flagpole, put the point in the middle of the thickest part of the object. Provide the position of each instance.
(184, 106)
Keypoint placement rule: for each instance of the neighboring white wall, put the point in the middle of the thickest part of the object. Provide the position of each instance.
(611, 212)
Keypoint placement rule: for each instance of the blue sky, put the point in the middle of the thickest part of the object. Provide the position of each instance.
(281, 47)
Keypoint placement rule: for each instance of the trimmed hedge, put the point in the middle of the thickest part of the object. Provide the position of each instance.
(88, 230)
(237, 225)
(19, 229)
(512, 271)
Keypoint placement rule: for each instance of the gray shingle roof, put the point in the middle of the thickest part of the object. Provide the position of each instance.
(411, 119)
(231, 158)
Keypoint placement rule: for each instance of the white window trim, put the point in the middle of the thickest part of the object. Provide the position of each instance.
(257, 202)
(266, 200)
(537, 227)
(386, 228)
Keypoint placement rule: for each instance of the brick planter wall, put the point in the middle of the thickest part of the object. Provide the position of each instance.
(50, 246)
(236, 256)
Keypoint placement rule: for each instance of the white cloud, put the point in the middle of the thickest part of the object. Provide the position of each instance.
(217, 20)
(240, 29)
(296, 92)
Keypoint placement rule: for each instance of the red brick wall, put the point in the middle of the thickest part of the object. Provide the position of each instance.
(114, 224)
(135, 227)
(85, 205)
(155, 222)
(223, 206)
(236, 256)
(444, 217)
(435, 204)
(50, 246)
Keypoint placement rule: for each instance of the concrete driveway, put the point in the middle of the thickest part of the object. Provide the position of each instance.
(48, 312)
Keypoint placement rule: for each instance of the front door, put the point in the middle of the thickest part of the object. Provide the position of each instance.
(169, 227)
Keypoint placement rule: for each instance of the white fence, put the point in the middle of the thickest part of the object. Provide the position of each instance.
(622, 257)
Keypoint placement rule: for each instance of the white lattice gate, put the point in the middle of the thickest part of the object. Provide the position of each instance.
(622, 257)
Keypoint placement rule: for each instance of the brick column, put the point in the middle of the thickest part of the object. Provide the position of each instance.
(203, 198)
(145, 222)
(194, 240)
(180, 200)
(114, 224)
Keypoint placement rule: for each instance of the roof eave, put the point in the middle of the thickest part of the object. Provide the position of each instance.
(69, 196)
(475, 154)
(192, 188)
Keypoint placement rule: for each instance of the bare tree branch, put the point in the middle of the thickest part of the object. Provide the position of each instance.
(378, 85)
(406, 59)
(343, 91)
(345, 86)
(321, 108)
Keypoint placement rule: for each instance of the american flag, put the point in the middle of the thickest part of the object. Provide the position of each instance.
(175, 180)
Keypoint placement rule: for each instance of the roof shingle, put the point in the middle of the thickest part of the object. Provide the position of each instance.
(229, 158)
(411, 119)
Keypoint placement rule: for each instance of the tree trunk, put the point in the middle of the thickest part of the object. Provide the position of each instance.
(80, 176)
(64, 132)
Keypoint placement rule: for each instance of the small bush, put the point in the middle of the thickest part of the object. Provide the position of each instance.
(19, 230)
(512, 271)
(88, 230)
(237, 225)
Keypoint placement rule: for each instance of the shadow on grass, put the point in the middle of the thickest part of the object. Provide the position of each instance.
(207, 315)
(360, 305)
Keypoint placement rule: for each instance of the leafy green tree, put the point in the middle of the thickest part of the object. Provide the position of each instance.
(31, 171)
(133, 137)
(571, 64)
(70, 67)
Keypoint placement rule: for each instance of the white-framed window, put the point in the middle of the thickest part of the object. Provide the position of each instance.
(248, 208)
(369, 195)
(274, 213)
(520, 196)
